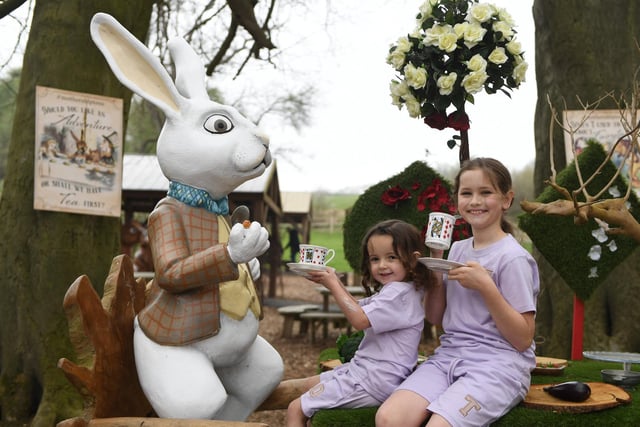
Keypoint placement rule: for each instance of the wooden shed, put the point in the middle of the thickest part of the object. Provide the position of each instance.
(143, 185)
(297, 210)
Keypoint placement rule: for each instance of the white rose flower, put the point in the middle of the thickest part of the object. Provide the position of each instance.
(519, 72)
(481, 12)
(505, 16)
(445, 83)
(400, 89)
(416, 77)
(413, 106)
(474, 81)
(426, 8)
(448, 42)
(477, 63)
(396, 59)
(403, 45)
(498, 56)
(460, 29)
(395, 100)
(504, 28)
(474, 34)
(432, 35)
(514, 47)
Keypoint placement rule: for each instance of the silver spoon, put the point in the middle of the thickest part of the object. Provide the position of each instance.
(240, 214)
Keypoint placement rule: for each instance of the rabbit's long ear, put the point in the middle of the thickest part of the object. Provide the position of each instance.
(190, 76)
(134, 64)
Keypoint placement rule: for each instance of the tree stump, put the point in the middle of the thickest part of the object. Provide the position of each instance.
(101, 332)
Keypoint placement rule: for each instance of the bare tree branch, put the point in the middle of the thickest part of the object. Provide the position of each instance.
(613, 212)
(243, 11)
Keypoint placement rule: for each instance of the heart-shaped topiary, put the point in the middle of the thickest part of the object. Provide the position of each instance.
(410, 196)
(567, 246)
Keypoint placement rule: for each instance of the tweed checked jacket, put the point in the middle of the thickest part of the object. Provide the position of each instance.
(195, 278)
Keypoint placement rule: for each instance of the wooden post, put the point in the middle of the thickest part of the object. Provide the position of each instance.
(578, 328)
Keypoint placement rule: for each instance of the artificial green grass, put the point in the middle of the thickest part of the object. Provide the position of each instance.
(585, 371)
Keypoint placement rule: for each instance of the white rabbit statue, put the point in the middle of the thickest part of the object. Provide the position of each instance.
(197, 350)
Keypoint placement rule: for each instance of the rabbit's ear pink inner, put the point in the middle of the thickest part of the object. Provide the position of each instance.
(135, 70)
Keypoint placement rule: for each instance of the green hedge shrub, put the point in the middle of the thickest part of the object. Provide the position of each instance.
(369, 208)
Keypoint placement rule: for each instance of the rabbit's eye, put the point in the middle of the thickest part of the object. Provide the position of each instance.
(218, 123)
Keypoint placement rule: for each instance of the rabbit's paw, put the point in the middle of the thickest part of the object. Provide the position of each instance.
(254, 268)
(247, 243)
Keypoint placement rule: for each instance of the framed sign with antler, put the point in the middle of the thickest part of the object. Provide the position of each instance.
(606, 127)
(78, 152)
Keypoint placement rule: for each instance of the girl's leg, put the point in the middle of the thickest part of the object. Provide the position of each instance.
(295, 416)
(402, 408)
(438, 421)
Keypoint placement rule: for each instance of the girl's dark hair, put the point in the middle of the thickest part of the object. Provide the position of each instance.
(406, 241)
(499, 176)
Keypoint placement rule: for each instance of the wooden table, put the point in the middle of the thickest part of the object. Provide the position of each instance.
(356, 291)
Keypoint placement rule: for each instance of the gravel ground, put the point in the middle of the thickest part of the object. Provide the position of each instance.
(299, 355)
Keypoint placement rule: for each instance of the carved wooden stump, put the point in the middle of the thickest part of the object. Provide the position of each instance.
(101, 332)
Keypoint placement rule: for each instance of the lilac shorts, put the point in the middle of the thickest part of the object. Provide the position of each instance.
(467, 394)
(336, 389)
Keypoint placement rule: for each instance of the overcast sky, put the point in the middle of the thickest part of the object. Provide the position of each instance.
(357, 138)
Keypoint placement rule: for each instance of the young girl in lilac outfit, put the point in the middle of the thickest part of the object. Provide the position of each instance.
(392, 320)
(482, 367)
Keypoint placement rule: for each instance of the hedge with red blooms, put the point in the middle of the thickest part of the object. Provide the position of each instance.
(411, 196)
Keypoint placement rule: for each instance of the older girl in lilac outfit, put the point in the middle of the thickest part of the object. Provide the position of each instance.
(392, 319)
(482, 367)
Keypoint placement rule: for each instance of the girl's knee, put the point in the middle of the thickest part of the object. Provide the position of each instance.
(383, 417)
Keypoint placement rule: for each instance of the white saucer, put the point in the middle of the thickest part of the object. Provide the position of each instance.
(438, 264)
(303, 268)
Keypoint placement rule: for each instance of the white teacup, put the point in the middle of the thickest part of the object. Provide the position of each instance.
(316, 255)
(439, 230)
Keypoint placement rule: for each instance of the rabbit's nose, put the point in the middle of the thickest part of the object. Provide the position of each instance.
(267, 157)
(263, 138)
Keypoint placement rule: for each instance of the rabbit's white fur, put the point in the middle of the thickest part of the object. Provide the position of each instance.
(211, 147)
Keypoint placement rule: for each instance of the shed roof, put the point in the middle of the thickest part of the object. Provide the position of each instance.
(296, 202)
(142, 172)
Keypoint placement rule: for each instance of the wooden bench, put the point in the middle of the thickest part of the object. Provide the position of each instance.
(291, 314)
(324, 317)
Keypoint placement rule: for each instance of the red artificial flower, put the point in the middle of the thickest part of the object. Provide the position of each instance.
(436, 120)
(435, 197)
(461, 230)
(415, 185)
(458, 120)
(393, 195)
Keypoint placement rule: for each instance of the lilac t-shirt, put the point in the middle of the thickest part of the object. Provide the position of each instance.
(469, 330)
(389, 350)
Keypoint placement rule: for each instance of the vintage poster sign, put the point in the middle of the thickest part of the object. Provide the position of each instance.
(605, 126)
(78, 155)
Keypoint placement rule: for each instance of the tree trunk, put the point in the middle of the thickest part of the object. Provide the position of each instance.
(43, 252)
(583, 48)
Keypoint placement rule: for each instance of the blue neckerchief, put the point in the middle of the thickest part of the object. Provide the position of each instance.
(198, 198)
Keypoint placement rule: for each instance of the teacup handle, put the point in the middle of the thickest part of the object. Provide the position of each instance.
(329, 256)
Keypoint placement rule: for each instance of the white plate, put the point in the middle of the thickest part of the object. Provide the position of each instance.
(438, 264)
(303, 268)
(612, 356)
